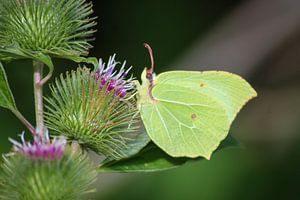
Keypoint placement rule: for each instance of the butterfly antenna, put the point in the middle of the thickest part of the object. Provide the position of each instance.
(149, 74)
(150, 71)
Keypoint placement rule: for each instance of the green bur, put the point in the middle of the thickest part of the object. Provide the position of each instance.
(59, 28)
(98, 119)
(67, 178)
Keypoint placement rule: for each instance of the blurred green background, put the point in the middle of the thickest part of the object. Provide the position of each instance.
(258, 39)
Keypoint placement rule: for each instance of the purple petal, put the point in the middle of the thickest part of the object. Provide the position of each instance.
(42, 147)
(115, 80)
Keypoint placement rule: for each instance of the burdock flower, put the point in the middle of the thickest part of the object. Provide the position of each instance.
(114, 80)
(45, 170)
(97, 108)
(59, 28)
(41, 148)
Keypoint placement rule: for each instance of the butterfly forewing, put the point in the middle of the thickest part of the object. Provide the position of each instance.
(232, 91)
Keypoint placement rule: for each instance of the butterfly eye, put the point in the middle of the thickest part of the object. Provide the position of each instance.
(149, 75)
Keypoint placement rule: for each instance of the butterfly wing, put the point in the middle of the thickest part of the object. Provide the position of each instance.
(183, 123)
(230, 90)
(192, 111)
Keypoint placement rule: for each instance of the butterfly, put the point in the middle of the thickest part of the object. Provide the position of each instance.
(188, 113)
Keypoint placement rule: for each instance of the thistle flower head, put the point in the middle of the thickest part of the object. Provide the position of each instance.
(68, 178)
(113, 79)
(96, 108)
(60, 28)
(42, 147)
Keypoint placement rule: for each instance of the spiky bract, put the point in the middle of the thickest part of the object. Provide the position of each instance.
(96, 116)
(59, 28)
(67, 178)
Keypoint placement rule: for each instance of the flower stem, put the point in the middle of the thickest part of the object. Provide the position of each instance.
(24, 121)
(38, 96)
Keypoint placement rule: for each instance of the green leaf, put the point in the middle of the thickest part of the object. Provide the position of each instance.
(15, 52)
(133, 147)
(152, 159)
(6, 97)
(12, 52)
(46, 59)
(188, 113)
(79, 59)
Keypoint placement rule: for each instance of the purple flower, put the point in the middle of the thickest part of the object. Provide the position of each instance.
(42, 147)
(113, 80)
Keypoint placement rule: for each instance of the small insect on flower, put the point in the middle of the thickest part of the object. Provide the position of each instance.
(42, 147)
(96, 107)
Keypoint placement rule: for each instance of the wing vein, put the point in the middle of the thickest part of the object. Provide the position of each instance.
(185, 104)
(179, 124)
(164, 124)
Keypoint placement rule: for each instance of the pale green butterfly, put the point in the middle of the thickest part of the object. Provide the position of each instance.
(188, 113)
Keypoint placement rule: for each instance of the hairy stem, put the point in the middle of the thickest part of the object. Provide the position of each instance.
(38, 96)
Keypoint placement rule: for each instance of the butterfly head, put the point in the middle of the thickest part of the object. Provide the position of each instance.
(147, 77)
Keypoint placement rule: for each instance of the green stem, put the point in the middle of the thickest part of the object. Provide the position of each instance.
(24, 121)
(38, 96)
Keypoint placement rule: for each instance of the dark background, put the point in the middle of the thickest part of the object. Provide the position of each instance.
(258, 39)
